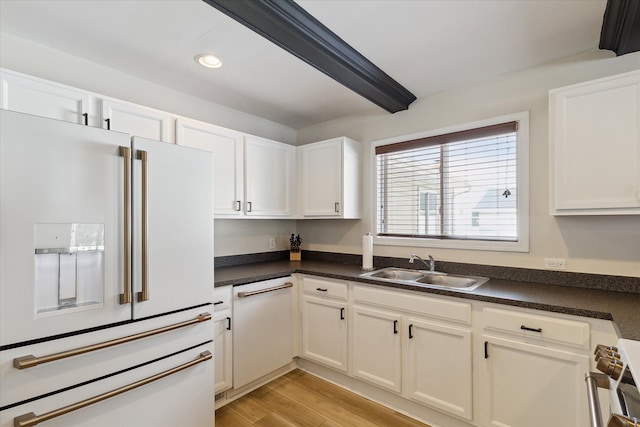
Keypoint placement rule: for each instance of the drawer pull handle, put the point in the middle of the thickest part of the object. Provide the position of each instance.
(321, 289)
(263, 291)
(31, 419)
(30, 361)
(524, 328)
(218, 302)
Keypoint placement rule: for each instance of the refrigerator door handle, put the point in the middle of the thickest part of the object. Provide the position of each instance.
(125, 296)
(30, 361)
(30, 419)
(144, 294)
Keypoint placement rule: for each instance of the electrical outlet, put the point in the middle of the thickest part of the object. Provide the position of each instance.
(555, 263)
(272, 243)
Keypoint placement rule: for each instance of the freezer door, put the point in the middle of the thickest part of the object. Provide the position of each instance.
(62, 245)
(172, 227)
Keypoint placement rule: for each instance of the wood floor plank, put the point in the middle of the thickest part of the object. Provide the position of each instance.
(288, 409)
(322, 405)
(250, 408)
(227, 417)
(274, 420)
(303, 400)
(357, 404)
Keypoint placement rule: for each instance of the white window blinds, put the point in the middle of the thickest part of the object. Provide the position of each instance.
(460, 185)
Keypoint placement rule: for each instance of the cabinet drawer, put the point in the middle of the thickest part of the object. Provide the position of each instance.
(414, 302)
(222, 298)
(19, 384)
(536, 326)
(323, 287)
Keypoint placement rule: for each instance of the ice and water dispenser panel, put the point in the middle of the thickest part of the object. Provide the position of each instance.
(69, 262)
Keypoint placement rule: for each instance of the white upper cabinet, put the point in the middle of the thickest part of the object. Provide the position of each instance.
(594, 147)
(26, 94)
(253, 177)
(269, 178)
(228, 159)
(330, 174)
(136, 120)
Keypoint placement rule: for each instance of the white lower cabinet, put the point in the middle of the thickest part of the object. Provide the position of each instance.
(531, 369)
(376, 347)
(425, 360)
(437, 366)
(223, 338)
(324, 322)
(531, 386)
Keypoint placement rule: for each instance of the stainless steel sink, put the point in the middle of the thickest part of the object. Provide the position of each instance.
(426, 278)
(396, 274)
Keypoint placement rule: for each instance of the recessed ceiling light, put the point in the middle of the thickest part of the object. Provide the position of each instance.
(208, 60)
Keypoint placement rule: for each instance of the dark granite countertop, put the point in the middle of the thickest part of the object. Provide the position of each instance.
(621, 307)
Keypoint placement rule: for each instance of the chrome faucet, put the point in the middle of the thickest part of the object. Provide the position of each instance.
(431, 264)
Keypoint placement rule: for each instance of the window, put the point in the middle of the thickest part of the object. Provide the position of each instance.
(463, 187)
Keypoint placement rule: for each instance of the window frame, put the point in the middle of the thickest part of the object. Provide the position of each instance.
(522, 174)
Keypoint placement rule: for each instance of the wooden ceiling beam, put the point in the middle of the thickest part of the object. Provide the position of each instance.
(292, 28)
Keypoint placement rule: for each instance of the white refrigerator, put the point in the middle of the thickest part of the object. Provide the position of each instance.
(106, 278)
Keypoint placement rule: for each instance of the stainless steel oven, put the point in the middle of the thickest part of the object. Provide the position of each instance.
(620, 367)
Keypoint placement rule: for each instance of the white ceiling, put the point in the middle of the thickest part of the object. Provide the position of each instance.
(426, 45)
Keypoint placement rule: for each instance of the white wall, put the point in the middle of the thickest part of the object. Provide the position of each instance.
(602, 245)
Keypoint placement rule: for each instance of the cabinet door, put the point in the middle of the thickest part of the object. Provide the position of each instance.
(595, 147)
(269, 171)
(135, 120)
(223, 357)
(322, 179)
(179, 214)
(376, 347)
(531, 386)
(324, 331)
(437, 366)
(41, 98)
(228, 162)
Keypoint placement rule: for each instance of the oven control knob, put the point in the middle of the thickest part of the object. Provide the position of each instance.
(611, 367)
(622, 421)
(601, 347)
(607, 353)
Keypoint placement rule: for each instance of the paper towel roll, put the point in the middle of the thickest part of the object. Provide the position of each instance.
(367, 252)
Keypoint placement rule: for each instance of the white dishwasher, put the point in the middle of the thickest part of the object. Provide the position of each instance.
(263, 319)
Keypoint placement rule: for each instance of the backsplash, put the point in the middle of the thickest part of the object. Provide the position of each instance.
(559, 278)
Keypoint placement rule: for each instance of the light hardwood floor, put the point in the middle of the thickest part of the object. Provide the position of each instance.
(301, 399)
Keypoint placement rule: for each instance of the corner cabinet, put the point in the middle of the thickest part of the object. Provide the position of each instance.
(227, 147)
(269, 178)
(331, 179)
(594, 147)
(324, 322)
(253, 177)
